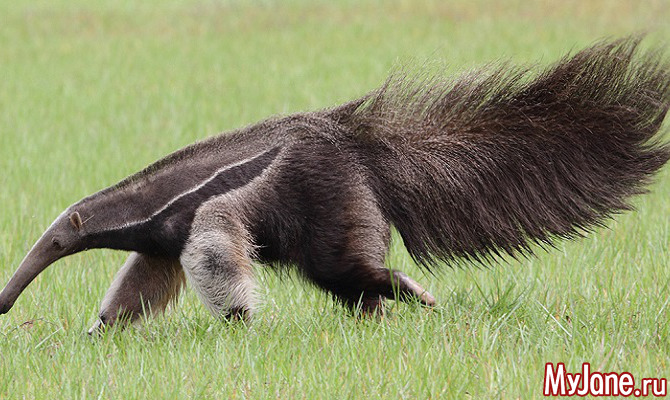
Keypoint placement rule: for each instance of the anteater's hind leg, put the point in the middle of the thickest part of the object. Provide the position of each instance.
(144, 285)
(217, 262)
(362, 285)
(348, 258)
(397, 285)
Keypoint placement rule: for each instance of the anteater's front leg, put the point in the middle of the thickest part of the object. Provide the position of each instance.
(217, 262)
(144, 285)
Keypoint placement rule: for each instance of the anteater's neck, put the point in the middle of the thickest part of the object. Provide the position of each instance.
(152, 210)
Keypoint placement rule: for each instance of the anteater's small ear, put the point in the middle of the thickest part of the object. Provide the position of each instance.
(75, 220)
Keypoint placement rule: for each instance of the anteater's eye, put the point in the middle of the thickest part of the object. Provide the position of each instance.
(56, 244)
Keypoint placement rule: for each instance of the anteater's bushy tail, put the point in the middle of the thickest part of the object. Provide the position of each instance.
(493, 162)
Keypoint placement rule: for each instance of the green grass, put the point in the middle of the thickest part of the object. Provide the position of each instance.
(90, 93)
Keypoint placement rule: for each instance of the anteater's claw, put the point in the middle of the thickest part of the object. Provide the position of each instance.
(97, 328)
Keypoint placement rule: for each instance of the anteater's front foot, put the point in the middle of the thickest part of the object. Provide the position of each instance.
(104, 323)
(238, 314)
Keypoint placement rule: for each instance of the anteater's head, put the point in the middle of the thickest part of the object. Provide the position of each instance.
(64, 237)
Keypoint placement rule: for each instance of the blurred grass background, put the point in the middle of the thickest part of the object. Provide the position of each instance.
(93, 91)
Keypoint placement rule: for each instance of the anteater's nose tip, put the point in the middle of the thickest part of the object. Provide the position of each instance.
(5, 307)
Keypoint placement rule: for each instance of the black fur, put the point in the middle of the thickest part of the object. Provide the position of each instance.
(472, 168)
(494, 161)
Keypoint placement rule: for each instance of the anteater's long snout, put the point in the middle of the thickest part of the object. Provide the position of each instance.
(44, 253)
